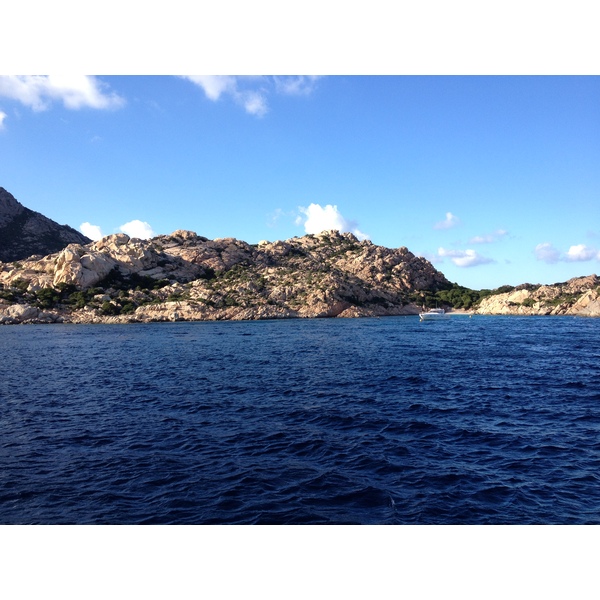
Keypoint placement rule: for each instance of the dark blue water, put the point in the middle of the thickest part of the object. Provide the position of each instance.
(468, 421)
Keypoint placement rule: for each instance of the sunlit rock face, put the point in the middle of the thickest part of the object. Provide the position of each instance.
(184, 276)
(24, 233)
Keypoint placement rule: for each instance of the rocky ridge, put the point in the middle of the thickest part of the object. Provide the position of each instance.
(24, 232)
(579, 296)
(184, 276)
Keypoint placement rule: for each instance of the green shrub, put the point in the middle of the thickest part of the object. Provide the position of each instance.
(46, 298)
(128, 308)
(562, 299)
(6, 295)
(66, 289)
(20, 284)
(115, 279)
(77, 299)
(108, 308)
(503, 289)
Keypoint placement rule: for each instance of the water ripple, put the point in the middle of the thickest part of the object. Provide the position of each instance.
(484, 420)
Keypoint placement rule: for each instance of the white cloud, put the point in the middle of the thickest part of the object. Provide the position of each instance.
(578, 253)
(449, 222)
(322, 218)
(214, 86)
(490, 238)
(138, 229)
(39, 91)
(2, 117)
(295, 86)
(464, 258)
(252, 93)
(254, 103)
(547, 252)
(92, 231)
(581, 252)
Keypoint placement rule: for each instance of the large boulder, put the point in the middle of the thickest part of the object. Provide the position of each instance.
(76, 265)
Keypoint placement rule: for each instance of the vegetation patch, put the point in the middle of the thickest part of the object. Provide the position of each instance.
(115, 279)
(567, 299)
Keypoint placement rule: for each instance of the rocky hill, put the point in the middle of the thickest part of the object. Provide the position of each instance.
(184, 276)
(24, 232)
(578, 296)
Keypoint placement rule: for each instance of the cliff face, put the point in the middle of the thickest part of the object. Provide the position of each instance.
(24, 233)
(578, 296)
(184, 276)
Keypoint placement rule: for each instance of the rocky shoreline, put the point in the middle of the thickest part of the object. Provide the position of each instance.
(186, 277)
(173, 312)
(24, 314)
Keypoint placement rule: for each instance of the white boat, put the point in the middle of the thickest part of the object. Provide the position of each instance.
(434, 314)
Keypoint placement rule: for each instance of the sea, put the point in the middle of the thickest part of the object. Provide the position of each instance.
(376, 421)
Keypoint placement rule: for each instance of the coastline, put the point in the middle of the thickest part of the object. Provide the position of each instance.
(172, 312)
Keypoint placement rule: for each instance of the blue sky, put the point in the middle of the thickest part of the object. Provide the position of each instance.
(495, 179)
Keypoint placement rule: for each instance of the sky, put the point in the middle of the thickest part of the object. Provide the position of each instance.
(494, 179)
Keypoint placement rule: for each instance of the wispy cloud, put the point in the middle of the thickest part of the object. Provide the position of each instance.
(278, 214)
(38, 92)
(432, 258)
(138, 229)
(464, 258)
(317, 218)
(448, 223)
(253, 100)
(252, 93)
(254, 103)
(300, 85)
(214, 86)
(92, 231)
(490, 238)
(2, 117)
(547, 253)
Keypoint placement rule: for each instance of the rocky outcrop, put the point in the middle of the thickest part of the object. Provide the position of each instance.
(24, 233)
(22, 313)
(578, 296)
(184, 276)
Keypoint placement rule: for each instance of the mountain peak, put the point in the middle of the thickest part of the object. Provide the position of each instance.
(24, 232)
(10, 207)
